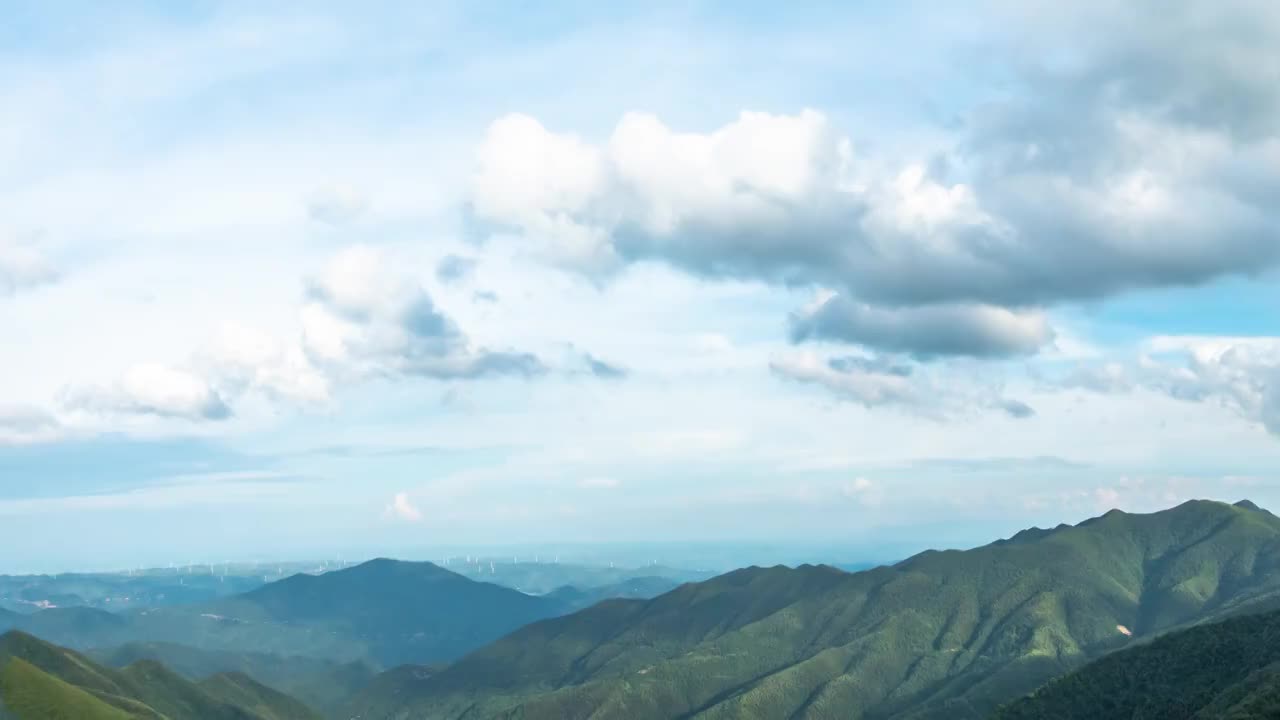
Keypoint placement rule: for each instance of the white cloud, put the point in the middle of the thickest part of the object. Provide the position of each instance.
(361, 319)
(864, 492)
(1241, 374)
(599, 482)
(401, 508)
(20, 424)
(1089, 178)
(152, 389)
(366, 319)
(870, 387)
(244, 360)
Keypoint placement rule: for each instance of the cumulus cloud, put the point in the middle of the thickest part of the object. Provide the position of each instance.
(880, 380)
(363, 320)
(153, 389)
(1241, 374)
(244, 360)
(22, 266)
(862, 382)
(359, 320)
(401, 508)
(1151, 159)
(924, 331)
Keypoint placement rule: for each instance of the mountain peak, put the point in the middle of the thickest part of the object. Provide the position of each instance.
(1248, 505)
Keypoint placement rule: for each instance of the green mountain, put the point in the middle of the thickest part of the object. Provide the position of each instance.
(243, 691)
(58, 624)
(28, 693)
(383, 612)
(948, 634)
(398, 611)
(575, 598)
(1229, 669)
(40, 681)
(317, 682)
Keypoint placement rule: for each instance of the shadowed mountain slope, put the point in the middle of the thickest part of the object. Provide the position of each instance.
(1229, 669)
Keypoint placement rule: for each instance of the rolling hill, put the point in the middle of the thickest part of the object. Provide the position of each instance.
(576, 598)
(40, 681)
(318, 683)
(948, 634)
(1229, 669)
(383, 612)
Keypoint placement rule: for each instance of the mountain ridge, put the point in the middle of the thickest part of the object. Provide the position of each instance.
(945, 634)
(40, 680)
(385, 612)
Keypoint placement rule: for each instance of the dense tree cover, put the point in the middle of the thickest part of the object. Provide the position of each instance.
(941, 635)
(1229, 669)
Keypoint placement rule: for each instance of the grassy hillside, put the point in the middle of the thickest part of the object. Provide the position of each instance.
(383, 611)
(943, 634)
(40, 681)
(1229, 669)
(243, 691)
(28, 693)
(319, 683)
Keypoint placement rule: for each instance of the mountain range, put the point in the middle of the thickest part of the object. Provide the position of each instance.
(383, 612)
(40, 681)
(1173, 614)
(951, 634)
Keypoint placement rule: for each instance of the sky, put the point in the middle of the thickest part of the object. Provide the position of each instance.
(283, 278)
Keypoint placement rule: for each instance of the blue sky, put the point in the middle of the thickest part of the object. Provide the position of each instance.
(302, 277)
